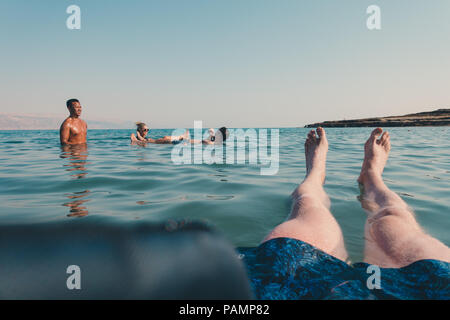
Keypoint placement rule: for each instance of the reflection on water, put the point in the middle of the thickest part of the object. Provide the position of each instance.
(217, 197)
(186, 198)
(76, 208)
(221, 174)
(77, 156)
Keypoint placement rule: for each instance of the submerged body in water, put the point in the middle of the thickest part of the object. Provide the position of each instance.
(142, 131)
(73, 130)
(141, 138)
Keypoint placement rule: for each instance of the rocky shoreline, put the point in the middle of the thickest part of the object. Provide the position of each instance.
(440, 117)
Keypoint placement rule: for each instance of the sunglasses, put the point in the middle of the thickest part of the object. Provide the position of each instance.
(145, 130)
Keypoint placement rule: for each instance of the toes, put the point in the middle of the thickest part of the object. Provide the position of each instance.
(312, 136)
(310, 140)
(375, 134)
(386, 141)
(387, 146)
(321, 132)
(384, 138)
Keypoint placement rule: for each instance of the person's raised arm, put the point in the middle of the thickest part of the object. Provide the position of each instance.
(139, 137)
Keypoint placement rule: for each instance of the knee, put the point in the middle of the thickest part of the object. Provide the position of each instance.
(383, 223)
(393, 214)
(388, 232)
(303, 203)
(392, 227)
(310, 198)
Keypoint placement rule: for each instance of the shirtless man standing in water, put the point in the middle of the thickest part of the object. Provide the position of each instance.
(73, 130)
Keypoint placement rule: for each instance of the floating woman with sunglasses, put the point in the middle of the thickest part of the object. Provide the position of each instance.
(141, 136)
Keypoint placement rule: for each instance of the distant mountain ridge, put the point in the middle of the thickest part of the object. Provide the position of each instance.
(440, 117)
(17, 121)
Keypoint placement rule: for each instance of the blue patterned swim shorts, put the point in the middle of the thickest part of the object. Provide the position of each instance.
(285, 268)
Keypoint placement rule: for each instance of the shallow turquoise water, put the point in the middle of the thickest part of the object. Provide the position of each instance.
(111, 179)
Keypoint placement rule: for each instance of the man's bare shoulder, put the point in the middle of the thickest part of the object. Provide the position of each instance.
(67, 122)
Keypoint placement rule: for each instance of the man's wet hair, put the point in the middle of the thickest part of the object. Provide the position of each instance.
(70, 101)
(223, 130)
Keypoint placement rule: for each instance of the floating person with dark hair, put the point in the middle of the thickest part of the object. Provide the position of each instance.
(215, 137)
(141, 136)
(73, 130)
(218, 138)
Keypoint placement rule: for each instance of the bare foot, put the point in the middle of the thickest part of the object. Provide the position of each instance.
(316, 148)
(185, 136)
(376, 153)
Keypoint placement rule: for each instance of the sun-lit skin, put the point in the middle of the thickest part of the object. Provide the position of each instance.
(141, 137)
(311, 220)
(73, 130)
(393, 237)
(218, 137)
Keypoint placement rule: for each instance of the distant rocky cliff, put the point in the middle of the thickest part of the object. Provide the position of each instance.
(439, 117)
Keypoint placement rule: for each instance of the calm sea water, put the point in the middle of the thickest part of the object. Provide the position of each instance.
(111, 179)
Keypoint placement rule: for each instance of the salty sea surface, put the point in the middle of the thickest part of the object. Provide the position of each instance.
(111, 179)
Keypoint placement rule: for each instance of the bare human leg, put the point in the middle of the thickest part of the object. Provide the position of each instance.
(311, 220)
(393, 236)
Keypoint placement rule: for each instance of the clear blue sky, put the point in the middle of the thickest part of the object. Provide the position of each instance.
(239, 63)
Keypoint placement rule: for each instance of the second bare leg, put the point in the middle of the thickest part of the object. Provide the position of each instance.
(393, 236)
